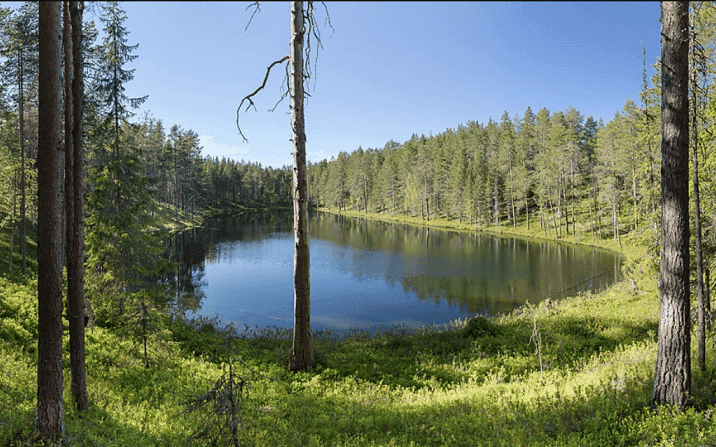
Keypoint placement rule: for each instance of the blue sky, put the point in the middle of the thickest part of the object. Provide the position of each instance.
(387, 71)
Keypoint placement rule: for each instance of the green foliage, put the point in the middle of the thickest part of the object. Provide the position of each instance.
(473, 382)
(479, 326)
(18, 314)
(9, 166)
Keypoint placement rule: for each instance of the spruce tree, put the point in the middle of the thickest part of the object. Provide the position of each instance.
(119, 202)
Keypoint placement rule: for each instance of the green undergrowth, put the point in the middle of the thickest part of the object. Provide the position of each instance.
(577, 372)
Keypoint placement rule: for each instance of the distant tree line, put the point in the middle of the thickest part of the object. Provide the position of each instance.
(556, 170)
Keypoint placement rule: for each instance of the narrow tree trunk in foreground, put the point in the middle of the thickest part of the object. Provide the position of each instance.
(672, 377)
(75, 232)
(23, 186)
(50, 408)
(302, 357)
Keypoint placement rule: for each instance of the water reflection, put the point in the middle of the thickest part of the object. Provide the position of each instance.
(366, 272)
(479, 273)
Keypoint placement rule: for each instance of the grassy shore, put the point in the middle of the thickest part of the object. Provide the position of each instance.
(168, 219)
(577, 372)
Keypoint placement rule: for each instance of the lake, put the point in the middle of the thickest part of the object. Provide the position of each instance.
(370, 274)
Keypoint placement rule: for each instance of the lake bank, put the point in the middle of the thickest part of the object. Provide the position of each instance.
(372, 273)
(535, 232)
(588, 384)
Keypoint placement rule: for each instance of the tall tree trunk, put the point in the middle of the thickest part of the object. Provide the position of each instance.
(514, 211)
(23, 192)
(571, 194)
(635, 199)
(672, 376)
(615, 221)
(67, 102)
(697, 207)
(707, 295)
(598, 218)
(555, 218)
(302, 357)
(50, 408)
(495, 202)
(12, 221)
(365, 196)
(75, 232)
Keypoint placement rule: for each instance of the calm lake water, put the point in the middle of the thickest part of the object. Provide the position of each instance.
(366, 273)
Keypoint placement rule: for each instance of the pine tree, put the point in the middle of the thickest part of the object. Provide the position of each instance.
(74, 197)
(50, 407)
(672, 376)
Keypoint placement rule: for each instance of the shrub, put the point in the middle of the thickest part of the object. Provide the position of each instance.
(478, 327)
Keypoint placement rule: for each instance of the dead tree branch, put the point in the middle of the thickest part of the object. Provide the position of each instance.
(257, 9)
(312, 33)
(248, 97)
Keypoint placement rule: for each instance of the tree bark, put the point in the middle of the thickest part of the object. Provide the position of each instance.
(672, 377)
(302, 357)
(50, 408)
(67, 102)
(74, 200)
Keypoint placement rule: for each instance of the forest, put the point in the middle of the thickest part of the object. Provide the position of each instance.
(578, 372)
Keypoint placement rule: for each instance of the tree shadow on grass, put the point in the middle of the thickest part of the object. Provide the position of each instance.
(339, 411)
(451, 357)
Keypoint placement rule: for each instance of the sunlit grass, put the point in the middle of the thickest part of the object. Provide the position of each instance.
(471, 382)
(167, 218)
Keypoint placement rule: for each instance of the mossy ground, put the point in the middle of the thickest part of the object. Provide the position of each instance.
(466, 383)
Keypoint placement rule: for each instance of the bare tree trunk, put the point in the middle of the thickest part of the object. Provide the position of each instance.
(302, 357)
(75, 232)
(50, 408)
(672, 376)
(615, 221)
